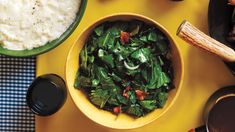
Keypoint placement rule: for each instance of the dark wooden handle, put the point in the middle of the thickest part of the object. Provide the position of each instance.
(194, 36)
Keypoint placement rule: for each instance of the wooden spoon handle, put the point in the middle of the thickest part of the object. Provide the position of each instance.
(194, 36)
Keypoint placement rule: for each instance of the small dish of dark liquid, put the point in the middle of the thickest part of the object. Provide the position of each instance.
(222, 116)
(219, 112)
(46, 95)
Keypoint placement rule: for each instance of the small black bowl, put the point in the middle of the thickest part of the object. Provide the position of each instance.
(46, 95)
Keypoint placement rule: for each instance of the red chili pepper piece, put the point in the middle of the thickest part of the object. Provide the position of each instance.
(128, 88)
(125, 94)
(117, 110)
(124, 37)
(140, 94)
(231, 2)
(141, 97)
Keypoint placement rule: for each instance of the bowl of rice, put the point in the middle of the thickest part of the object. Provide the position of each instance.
(30, 28)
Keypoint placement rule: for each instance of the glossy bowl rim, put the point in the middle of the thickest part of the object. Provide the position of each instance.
(101, 20)
(50, 45)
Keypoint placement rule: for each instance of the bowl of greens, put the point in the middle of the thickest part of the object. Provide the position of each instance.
(124, 71)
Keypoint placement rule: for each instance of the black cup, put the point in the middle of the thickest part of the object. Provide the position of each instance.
(219, 113)
(46, 95)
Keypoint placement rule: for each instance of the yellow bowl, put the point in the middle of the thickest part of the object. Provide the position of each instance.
(105, 118)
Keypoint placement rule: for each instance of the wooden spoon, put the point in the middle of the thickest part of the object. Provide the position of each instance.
(195, 37)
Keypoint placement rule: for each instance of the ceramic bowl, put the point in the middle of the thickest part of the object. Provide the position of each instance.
(50, 45)
(106, 118)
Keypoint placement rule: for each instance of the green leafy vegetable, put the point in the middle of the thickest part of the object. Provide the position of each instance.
(152, 36)
(144, 38)
(162, 99)
(99, 30)
(122, 99)
(134, 76)
(148, 104)
(135, 110)
(142, 54)
(99, 97)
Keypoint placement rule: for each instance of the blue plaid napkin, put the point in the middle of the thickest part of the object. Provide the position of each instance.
(16, 74)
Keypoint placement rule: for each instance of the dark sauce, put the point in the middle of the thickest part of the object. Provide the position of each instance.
(42, 95)
(222, 116)
(46, 95)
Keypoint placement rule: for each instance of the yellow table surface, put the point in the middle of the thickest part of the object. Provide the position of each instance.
(204, 73)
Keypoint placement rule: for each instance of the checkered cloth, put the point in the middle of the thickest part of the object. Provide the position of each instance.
(16, 74)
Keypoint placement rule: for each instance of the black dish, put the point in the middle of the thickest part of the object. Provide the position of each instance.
(212, 109)
(220, 23)
(228, 90)
(214, 99)
(46, 95)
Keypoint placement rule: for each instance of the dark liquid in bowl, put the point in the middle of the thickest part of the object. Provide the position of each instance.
(222, 116)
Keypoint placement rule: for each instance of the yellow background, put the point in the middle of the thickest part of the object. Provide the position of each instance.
(204, 73)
